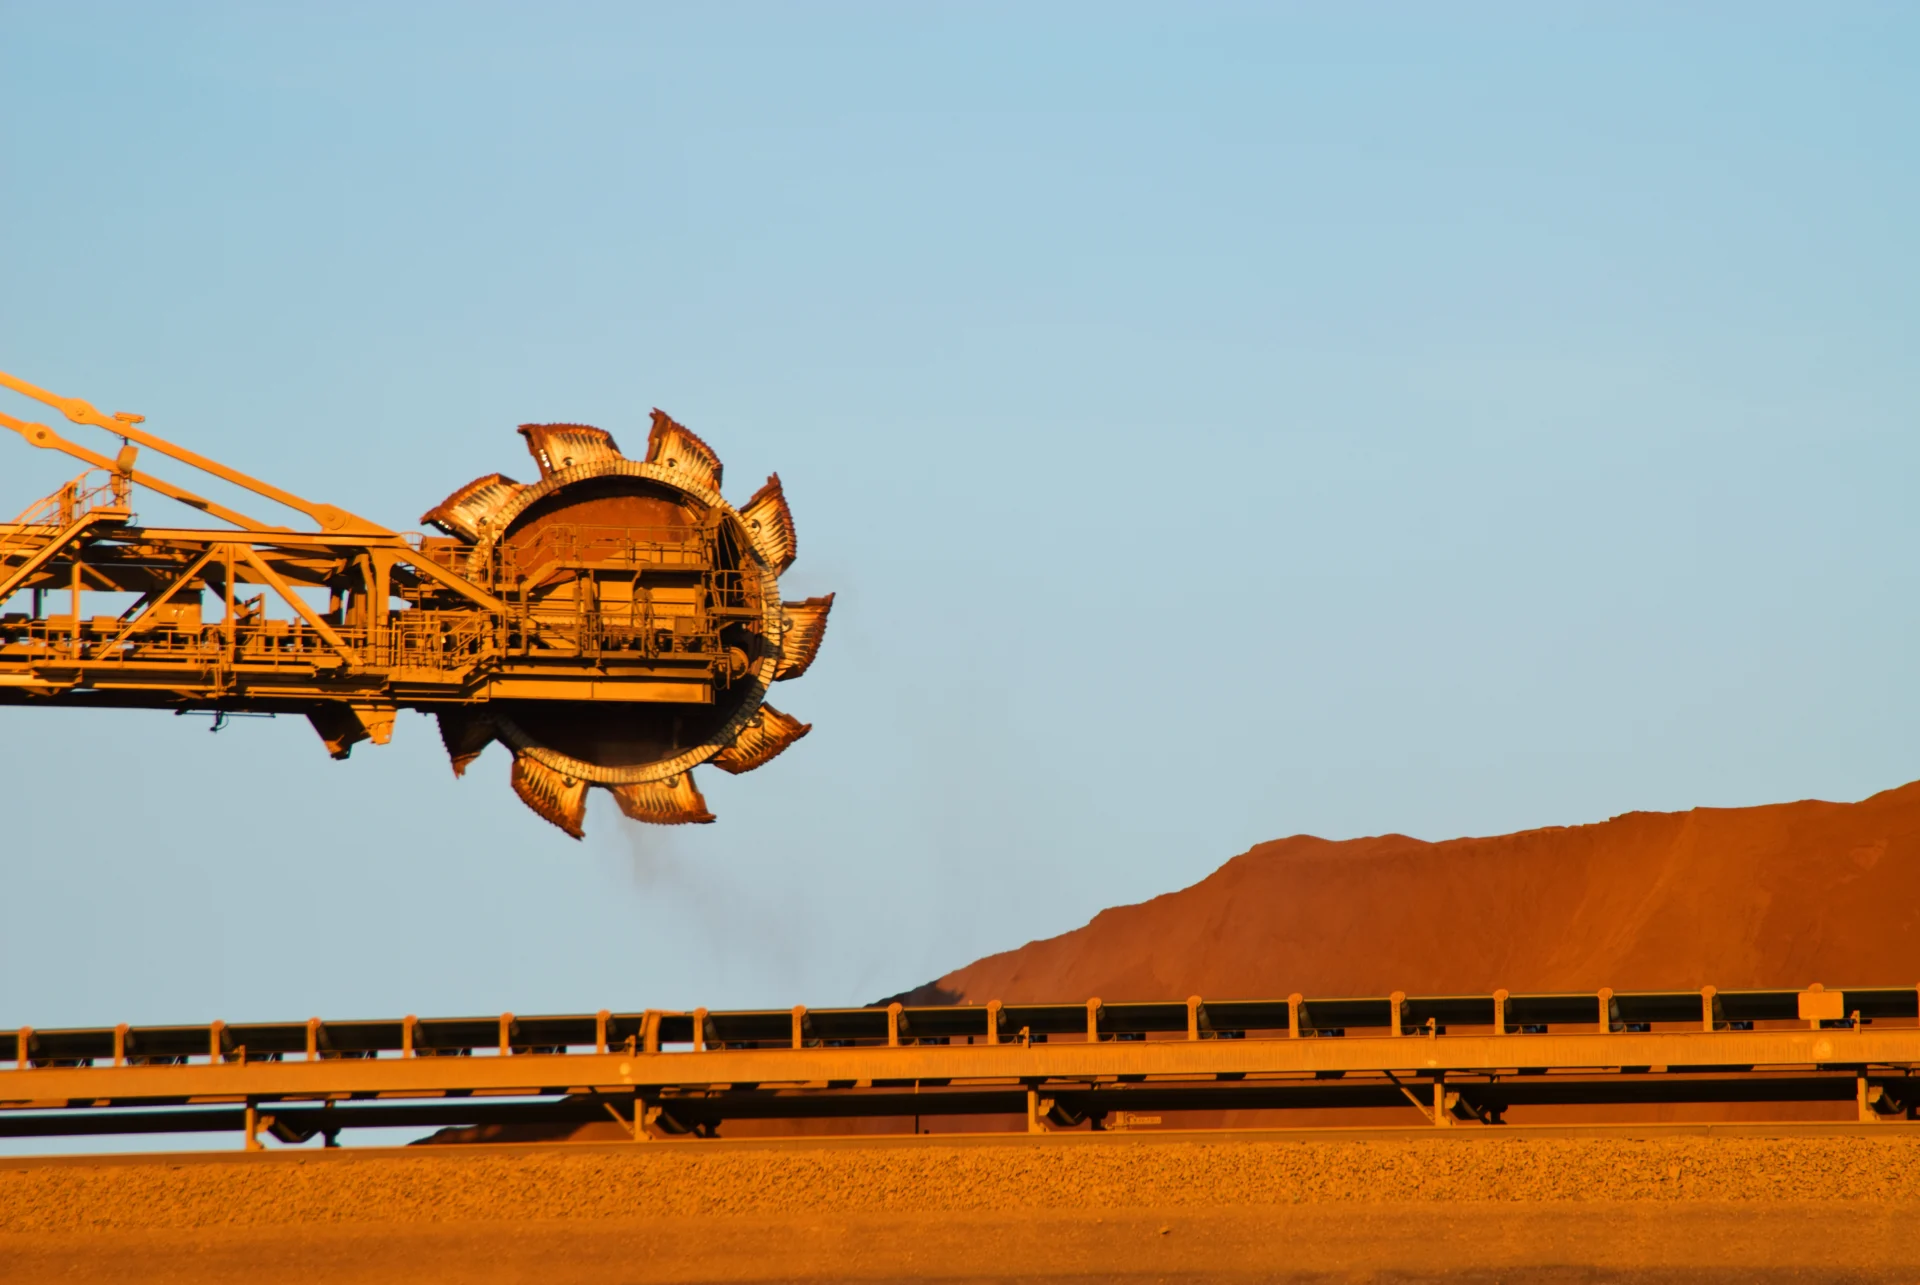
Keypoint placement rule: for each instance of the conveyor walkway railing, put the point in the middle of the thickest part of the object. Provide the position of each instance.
(1456, 1059)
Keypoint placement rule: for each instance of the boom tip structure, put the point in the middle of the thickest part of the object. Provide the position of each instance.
(615, 624)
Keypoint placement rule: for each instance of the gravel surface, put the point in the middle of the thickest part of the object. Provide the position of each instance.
(451, 1185)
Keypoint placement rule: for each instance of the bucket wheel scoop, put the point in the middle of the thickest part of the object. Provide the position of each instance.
(645, 624)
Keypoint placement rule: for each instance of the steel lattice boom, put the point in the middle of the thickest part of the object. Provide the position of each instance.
(615, 623)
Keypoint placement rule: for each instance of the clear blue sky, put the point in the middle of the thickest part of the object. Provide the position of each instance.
(1218, 422)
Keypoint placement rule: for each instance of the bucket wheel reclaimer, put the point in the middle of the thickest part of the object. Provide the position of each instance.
(615, 623)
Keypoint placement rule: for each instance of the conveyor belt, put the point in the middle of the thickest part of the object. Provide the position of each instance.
(1454, 1059)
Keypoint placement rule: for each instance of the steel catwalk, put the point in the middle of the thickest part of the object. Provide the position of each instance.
(663, 1074)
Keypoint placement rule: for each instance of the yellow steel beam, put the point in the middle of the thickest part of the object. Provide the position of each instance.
(133, 626)
(11, 582)
(280, 538)
(45, 438)
(330, 517)
(459, 584)
(277, 537)
(279, 586)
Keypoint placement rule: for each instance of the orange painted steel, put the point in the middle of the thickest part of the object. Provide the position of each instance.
(1458, 1060)
(615, 624)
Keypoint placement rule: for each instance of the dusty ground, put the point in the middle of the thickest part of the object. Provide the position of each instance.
(1818, 1206)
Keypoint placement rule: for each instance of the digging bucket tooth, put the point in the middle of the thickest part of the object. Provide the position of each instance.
(468, 512)
(557, 797)
(766, 734)
(805, 625)
(770, 525)
(674, 801)
(675, 446)
(559, 447)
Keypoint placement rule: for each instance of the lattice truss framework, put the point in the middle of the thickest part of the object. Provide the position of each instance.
(614, 623)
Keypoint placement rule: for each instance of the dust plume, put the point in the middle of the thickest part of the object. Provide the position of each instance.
(743, 927)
